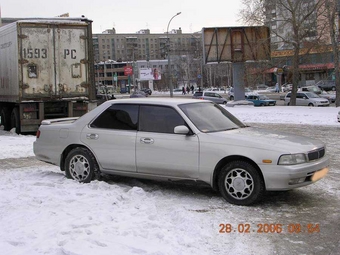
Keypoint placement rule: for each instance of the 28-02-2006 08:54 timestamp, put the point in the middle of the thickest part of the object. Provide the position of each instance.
(265, 228)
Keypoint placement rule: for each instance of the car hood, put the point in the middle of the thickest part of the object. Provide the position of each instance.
(266, 139)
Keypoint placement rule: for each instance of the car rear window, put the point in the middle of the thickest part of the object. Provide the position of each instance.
(198, 94)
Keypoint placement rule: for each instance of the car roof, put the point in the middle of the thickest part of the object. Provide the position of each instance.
(157, 101)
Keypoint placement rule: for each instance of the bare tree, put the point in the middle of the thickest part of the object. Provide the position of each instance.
(332, 12)
(294, 25)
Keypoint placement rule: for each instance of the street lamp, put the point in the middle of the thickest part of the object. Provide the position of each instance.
(169, 66)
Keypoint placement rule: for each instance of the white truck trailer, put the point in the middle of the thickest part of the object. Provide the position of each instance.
(46, 71)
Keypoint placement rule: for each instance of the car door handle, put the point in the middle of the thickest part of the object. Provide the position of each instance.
(92, 136)
(147, 140)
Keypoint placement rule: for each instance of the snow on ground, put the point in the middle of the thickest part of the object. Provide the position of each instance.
(42, 212)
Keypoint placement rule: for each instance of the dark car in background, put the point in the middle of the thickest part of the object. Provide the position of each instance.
(326, 85)
(147, 91)
(138, 93)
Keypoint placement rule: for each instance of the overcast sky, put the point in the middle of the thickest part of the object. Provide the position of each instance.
(130, 16)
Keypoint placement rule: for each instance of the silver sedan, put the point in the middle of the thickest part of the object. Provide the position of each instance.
(180, 139)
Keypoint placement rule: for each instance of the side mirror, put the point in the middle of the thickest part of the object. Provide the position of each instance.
(181, 130)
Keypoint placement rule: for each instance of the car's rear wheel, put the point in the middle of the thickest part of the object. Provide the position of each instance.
(311, 105)
(15, 120)
(231, 98)
(5, 119)
(81, 165)
(240, 183)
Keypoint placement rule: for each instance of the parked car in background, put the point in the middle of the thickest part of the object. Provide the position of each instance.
(218, 90)
(287, 87)
(271, 89)
(314, 89)
(138, 93)
(307, 99)
(260, 100)
(326, 85)
(210, 95)
(180, 139)
(261, 86)
(147, 91)
(247, 92)
(328, 95)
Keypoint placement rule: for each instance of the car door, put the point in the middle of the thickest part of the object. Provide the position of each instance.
(301, 99)
(159, 151)
(112, 137)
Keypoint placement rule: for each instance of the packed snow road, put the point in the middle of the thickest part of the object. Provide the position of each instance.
(42, 212)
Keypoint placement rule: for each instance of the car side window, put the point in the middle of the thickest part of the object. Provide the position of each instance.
(118, 116)
(159, 119)
(300, 95)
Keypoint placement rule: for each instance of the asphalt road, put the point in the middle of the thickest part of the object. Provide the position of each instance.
(310, 216)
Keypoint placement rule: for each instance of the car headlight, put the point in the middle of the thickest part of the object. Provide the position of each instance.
(292, 159)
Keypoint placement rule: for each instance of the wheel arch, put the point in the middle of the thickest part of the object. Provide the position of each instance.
(229, 159)
(70, 148)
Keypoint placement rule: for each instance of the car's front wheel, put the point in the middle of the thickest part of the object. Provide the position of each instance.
(240, 183)
(311, 105)
(81, 165)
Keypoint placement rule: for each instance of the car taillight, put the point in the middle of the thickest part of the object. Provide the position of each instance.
(38, 133)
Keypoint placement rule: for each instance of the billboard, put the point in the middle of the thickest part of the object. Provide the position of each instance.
(236, 44)
(146, 74)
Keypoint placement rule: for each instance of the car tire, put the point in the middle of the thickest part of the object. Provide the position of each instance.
(15, 120)
(231, 98)
(224, 102)
(5, 119)
(311, 105)
(261, 104)
(240, 183)
(81, 165)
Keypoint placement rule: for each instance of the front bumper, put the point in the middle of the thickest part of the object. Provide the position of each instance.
(280, 177)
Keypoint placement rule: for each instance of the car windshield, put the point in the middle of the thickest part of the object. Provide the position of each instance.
(210, 117)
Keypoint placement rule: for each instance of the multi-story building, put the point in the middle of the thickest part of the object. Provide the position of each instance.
(146, 50)
(142, 45)
(316, 57)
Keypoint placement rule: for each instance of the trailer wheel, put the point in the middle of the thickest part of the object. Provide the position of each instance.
(15, 120)
(5, 119)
